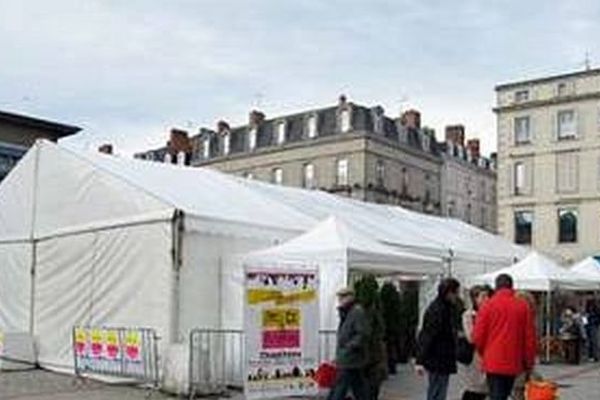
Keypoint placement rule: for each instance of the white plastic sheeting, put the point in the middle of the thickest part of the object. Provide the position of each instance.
(15, 286)
(538, 273)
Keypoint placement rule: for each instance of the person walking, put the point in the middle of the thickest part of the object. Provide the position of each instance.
(592, 322)
(504, 335)
(351, 349)
(436, 342)
(472, 377)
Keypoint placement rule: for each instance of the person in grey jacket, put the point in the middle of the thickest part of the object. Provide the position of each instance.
(351, 350)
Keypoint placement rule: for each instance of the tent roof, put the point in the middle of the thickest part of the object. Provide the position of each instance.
(56, 189)
(334, 238)
(537, 272)
(588, 267)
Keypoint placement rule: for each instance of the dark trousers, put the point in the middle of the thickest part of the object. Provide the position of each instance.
(468, 395)
(592, 341)
(349, 380)
(438, 386)
(500, 386)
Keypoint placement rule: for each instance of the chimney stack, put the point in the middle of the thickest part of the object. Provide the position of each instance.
(411, 119)
(455, 134)
(256, 118)
(473, 147)
(106, 148)
(179, 141)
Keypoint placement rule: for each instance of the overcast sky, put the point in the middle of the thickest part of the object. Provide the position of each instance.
(127, 71)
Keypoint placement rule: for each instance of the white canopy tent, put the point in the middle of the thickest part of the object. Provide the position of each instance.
(337, 249)
(589, 268)
(539, 273)
(88, 238)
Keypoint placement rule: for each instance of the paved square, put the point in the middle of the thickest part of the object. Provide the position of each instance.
(577, 383)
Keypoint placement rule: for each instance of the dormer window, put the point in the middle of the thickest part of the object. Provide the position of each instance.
(252, 138)
(281, 132)
(226, 143)
(345, 120)
(425, 141)
(206, 148)
(311, 126)
(181, 158)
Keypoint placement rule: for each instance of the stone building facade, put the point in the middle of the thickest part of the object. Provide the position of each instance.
(347, 149)
(19, 132)
(549, 163)
(468, 181)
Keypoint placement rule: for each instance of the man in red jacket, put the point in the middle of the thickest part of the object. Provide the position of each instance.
(504, 335)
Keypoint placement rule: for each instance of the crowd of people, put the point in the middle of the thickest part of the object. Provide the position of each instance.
(491, 343)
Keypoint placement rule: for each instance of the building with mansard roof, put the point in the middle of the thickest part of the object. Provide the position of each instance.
(348, 149)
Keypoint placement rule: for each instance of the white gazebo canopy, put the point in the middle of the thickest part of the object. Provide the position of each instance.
(334, 239)
(588, 267)
(537, 272)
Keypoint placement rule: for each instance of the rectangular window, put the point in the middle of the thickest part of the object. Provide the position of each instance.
(277, 176)
(519, 179)
(522, 130)
(308, 180)
(380, 173)
(567, 225)
(345, 121)
(226, 144)
(523, 227)
(567, 126)
(206, 148)
(252, 139)
(281, 133)
(521, 96)
(342, 172)
(312, 126)
(567, 172)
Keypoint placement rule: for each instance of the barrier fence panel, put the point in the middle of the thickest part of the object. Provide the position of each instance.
(119, 352)
(217, 359)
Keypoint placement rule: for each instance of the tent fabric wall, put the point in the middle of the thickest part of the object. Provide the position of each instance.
(15, 286)
(119, 277)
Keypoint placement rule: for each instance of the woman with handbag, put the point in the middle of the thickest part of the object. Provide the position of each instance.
(470, 372)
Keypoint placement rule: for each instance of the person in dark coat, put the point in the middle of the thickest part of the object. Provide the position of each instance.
(436, 347)
(351, 350)
(592, 315)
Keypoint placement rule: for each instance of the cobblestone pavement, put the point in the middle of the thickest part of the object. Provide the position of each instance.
(576, 383)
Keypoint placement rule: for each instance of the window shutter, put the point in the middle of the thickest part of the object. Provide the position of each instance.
(554, 126)
(531, 129)
(510, 131)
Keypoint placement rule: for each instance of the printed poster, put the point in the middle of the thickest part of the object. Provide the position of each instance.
(281, 323)
(1, 343)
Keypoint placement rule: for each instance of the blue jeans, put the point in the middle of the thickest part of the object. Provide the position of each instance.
(438, 386)
(349, 379)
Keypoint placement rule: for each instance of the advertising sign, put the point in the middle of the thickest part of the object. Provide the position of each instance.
(281, 323)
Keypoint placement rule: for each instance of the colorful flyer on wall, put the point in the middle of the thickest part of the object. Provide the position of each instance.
(112, 345)
(82, 347)
(281, 324)
(96, 343)
(1, 343)
(133, 346)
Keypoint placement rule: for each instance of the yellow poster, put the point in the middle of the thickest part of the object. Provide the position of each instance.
(133, 345)
(111, 344)
(96, 343)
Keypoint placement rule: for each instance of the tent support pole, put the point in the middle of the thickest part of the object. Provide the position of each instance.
(548, 323)
(177, 230)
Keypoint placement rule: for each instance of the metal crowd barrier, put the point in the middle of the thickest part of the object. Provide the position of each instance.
(119, 352)
(217, 359)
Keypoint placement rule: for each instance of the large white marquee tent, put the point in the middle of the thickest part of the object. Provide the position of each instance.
(101, 240)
